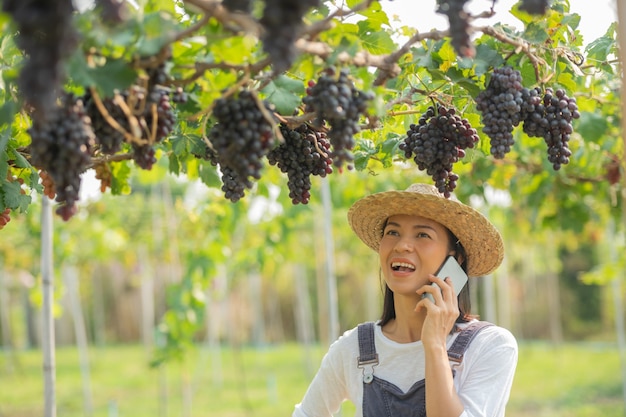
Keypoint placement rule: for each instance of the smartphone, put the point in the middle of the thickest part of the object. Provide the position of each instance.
(451, 269)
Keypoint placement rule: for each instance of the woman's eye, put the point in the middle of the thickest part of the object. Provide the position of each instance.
(391, 232)
(422, 234)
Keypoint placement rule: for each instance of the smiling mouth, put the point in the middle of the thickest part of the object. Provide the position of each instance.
(402, 266)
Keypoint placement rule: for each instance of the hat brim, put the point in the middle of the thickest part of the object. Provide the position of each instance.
(482, 241)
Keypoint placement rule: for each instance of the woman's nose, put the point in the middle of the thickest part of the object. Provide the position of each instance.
(404, 245)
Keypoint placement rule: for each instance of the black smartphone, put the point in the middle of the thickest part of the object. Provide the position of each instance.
(450, 269)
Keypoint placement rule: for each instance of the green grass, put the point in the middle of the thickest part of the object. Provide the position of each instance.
(571, 380)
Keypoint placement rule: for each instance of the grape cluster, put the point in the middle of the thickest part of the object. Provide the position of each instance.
(337, 101)
(437, 142)
(242, 137)
(61, 145)
(5, 217)
(500, 105)
(47, 36)
(104, 174)
(551, 118)
(237, 5)
(304, 152)
(108, 138)
(282, 23)
(537, 7)
(458, 20)
(112, 11)
(49, 190)
(152, 111)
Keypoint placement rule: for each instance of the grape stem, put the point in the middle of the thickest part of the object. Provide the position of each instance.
(111, 121)
(268, 117)
(317, 147)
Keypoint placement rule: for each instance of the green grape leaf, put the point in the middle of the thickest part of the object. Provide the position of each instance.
(592, 126)
(120, 181)
(209, 175)
(536, 33)
(284, 93)
(375, 40)
(13, 197)
(114, 74)
(7, 114)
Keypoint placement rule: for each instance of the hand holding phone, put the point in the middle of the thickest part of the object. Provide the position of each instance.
(450, 269)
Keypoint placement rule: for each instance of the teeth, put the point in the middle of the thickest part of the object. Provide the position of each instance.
(401, 265)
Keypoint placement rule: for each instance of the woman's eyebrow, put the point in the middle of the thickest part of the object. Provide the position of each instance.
(417, 226)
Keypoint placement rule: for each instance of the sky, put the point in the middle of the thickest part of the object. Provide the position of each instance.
(596, 15)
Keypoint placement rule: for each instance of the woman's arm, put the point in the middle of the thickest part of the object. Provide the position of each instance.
(485, 378)
(329, 388)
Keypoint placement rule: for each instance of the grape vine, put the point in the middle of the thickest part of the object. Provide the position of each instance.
(437, 142)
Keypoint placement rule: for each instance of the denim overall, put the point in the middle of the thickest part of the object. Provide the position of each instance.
(384, 399)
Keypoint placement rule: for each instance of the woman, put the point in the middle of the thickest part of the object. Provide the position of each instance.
(422, 357)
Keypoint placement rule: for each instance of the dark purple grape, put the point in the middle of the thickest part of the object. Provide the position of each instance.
(335, 100)
(437, 142)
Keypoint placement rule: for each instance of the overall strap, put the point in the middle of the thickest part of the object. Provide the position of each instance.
(462, 341)
(367, 351)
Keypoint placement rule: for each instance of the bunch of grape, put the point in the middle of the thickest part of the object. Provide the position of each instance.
(143, 155)
(242, 137)
(47, 36)
(112, 11)
(233, 185)
(537, 7)
(458, 19)
(104, 174)
(551, 118)
(305, 152)
(237, 5)
(282, 23)
(61, 145)
(159, 106)
(337, 101)
(153, 111)
(437, 142)
(5, 217)
(49, 190)
(500, 105)
(109, 139)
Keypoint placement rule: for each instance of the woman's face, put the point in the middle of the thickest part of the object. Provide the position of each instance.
(412, 247)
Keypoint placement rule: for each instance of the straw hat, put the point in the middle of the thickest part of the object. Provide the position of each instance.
(481, 240)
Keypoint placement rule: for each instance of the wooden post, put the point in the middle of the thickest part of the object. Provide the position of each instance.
(70, 275)
(619, 307)
(47, 277)
(304, 321)
(331, 279)
(5, 312)
(147, 299)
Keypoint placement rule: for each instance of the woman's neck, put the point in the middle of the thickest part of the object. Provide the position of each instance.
(407, 326)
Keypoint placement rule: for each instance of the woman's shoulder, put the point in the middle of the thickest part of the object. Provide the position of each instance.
(347, 343)
(491, 336)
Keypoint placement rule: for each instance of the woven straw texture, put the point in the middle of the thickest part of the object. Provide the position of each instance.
(481, 240)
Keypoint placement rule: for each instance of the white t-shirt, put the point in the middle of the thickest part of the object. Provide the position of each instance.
(483, 380)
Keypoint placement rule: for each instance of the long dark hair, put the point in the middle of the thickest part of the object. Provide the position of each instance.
(465, 303)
